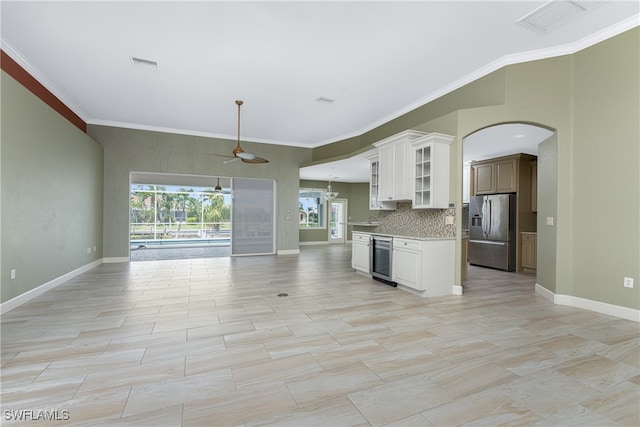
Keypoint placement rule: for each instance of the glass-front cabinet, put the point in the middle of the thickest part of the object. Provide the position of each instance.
(431, 171)
(374, 182)
(422, 190)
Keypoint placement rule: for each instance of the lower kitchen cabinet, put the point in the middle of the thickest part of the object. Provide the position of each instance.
(360, 252)
(426, 266)
(406, 264)
(528, 251)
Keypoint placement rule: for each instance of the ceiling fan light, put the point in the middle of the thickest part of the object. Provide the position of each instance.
(246, 156)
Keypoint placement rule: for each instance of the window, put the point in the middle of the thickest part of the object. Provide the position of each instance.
(162, 212)
(312, 208)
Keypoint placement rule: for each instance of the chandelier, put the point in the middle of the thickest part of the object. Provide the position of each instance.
(329, 194)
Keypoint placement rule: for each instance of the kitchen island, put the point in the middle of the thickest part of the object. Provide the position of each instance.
(422, 265)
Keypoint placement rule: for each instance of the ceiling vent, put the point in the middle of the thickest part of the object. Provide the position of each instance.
(555, 13)
(325, 99)
(145, 63)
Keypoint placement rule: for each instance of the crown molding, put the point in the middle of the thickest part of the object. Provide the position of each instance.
(506, 60)
(188, 132)
(40, 78)
(512, 59)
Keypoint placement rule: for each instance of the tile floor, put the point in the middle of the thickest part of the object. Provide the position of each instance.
(208, 342)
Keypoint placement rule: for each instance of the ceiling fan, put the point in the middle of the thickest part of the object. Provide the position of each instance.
(219, 190)
(238, 152)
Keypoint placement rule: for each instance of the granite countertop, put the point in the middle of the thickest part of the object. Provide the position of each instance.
(364, 224)
(406, 237)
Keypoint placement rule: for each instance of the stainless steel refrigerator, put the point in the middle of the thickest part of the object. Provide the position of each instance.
(492, 231)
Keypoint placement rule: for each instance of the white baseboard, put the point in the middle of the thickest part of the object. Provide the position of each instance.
(112, 260)
(320, 242)
(587, 304)
(457, 289)
(35, 292)
(545, 293)
(289, 252)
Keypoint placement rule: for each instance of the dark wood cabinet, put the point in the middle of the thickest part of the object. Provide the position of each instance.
(510, 174)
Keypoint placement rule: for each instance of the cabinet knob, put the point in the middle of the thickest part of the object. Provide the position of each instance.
(405, 243)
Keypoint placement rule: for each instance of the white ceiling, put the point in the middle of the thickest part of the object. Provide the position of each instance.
(376, 59)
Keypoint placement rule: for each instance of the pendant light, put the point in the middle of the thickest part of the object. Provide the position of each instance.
(329, 194)
(218, 189)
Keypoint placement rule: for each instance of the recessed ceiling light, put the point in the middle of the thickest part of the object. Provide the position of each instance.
(144, 63)
(325, 99)
(520, 135)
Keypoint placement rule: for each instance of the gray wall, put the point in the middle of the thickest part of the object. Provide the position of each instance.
(51, 209)
(129, 150)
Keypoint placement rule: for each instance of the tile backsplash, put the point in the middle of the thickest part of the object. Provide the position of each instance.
(406, 221)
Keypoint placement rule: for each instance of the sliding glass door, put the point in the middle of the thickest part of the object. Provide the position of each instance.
(253, 217)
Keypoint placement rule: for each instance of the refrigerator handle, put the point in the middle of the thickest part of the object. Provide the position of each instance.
(484, 217)
(490, 217)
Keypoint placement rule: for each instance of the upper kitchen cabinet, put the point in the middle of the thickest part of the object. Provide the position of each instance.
(466, 183)
(499, 175)
(374, 179)
(430, 159)
(374, 185)
(395, 157)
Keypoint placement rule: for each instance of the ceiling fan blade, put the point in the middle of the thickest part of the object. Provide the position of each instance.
(221, 155)
(232, 159)
(255, 160)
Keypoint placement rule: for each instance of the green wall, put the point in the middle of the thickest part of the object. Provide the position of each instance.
(606, 148)
(51, 209)
(129, 150)
(547, 207)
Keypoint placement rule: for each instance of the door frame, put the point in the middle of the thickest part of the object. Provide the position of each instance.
(342, 221)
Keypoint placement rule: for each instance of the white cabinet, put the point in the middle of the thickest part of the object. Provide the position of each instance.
(360, 252)
(386, 158)
(426, 266)
(431, 171)
(375, 179)
(395, 166)
(374, 182)
(406, 263)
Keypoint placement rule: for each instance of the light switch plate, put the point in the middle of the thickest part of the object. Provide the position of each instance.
(628, 282)
(448, 220)
(549, 220)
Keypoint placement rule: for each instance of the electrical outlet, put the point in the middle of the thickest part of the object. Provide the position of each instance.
(628, 282)
(448, 220)
(549, 220)
(88, 250)
(13, 274)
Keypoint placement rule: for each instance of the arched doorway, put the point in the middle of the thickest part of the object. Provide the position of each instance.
(532, 148)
